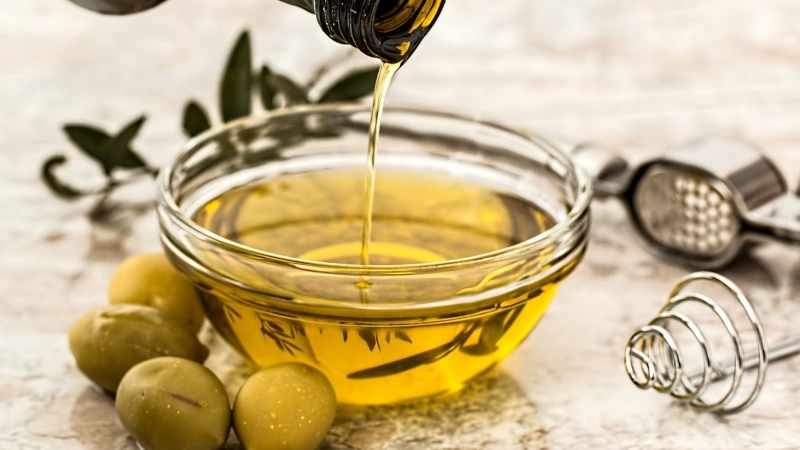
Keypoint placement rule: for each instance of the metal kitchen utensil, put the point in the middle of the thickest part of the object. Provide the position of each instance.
(701, 203)
(653, 358)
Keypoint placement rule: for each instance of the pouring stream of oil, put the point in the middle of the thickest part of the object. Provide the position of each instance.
(382, 84)
(381, 88)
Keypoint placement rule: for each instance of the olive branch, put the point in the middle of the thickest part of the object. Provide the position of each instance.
(282, 336)
(241, 88)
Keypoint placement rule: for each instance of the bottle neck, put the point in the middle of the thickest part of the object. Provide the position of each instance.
(387, 30)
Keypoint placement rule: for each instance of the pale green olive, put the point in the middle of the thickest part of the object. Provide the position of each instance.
(151, 280)
(285, 407)
(172, 403)
(107, 342)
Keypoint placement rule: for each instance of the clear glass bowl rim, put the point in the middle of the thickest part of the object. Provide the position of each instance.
(575, 216)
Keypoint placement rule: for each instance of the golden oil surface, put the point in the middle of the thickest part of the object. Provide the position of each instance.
(417, 218)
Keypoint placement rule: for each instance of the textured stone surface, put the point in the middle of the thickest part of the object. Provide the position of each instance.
(640, 76)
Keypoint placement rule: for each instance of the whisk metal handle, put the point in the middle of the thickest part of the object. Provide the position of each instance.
(779, 352)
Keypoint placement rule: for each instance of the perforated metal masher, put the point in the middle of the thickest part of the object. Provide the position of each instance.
(653, 358)
(701, 203)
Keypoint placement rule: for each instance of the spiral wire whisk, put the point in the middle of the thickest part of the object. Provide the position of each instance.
(653, 358)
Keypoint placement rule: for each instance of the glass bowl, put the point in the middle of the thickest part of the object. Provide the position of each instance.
(429, 327)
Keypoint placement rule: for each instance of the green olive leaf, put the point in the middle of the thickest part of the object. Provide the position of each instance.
(491, 332)
(418, 360)
(292, 93)
(370, 338)
(236, 86)
(267, 89)
(195, 119)
(299, 329)
(405, 364)
(118, 149)
(353, 86)
(94, 142)
(283, 340)
(88, 139)
(402, 336)
(274, 85)
(130, 160)
(52, 181)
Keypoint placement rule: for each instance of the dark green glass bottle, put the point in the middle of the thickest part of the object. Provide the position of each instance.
(389, 30)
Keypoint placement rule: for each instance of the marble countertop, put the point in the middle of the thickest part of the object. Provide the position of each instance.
(638, 76)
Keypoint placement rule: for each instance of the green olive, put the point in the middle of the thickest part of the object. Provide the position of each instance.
(285, 407)
(151, 280)
(107, 342)
(173, 403)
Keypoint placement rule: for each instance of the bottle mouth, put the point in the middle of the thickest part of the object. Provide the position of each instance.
(389, 30)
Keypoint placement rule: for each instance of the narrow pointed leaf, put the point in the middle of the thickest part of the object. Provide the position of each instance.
(195, 119)
(118, 151)
(403, 336)
(88, 139)
(93, 142)
(353, 86)
(406, 364)
(130, 160)
(370, 338)
(267, 88)
(292, 93)
(236, 87)
(52, 181)
(297, 328)
(491, 332)
(418, 360)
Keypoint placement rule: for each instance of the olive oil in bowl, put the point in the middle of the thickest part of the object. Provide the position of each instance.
(473, 228)
(417, 219)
